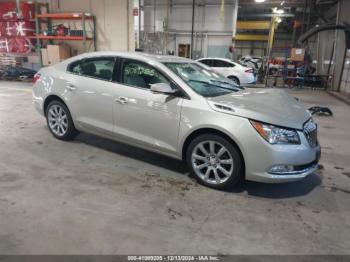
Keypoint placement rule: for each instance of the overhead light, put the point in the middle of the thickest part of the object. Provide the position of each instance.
(260, 1)
(277, 11)
(282, 3)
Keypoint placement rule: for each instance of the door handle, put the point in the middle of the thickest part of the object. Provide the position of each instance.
(71, 87)
(122, 100)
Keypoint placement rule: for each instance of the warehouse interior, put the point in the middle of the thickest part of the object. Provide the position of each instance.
(99, 196)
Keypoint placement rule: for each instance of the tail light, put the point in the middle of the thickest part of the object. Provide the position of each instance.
(36, 77)
(249, 71)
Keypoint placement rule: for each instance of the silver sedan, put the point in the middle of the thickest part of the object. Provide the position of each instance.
(182, 109)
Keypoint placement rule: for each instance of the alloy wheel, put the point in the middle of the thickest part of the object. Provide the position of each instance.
(212, 162)
(58, 120)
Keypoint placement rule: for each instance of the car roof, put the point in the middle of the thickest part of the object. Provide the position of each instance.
(219, 58)
(136, 55)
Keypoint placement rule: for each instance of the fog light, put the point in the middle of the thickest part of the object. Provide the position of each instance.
(281, 169)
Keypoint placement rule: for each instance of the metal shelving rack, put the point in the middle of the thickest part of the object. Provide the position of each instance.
(49, 17)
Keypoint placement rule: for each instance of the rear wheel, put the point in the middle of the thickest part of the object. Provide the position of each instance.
(214, 161)
(59, 121)
(235, 80)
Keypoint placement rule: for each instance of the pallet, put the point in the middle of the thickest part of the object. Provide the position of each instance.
(10, 61)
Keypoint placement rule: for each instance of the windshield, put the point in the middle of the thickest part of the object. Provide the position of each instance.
(205, 82)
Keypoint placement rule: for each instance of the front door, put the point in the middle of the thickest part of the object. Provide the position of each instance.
(142, 117)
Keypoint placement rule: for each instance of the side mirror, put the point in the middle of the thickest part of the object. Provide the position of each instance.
(162, 88)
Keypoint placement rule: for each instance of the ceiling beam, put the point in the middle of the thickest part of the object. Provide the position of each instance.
(249, 15)
(253, 25)
(272, 3)
(251, 37)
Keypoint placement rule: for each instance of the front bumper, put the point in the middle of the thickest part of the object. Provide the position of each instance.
(267, 177)
(260, 157)
(248, 79)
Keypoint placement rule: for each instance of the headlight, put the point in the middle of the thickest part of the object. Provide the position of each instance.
(276, 135)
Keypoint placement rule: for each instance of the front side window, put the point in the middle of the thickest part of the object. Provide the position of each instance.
(205, 82)
(141, 75)
(101, 68)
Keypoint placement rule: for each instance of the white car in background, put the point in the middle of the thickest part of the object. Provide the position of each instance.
(239, 74)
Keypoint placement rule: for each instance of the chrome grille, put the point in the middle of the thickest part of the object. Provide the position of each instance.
(310, 131)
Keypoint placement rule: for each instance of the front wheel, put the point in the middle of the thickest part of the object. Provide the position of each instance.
(214, 161)
(59, 121)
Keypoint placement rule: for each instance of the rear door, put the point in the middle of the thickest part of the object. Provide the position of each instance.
(143, 117)
(207, 62)
(90, 94)
(223, 67)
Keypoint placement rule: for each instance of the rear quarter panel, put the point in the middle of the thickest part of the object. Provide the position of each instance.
(52, 82)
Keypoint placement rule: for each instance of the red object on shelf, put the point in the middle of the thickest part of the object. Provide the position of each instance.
(61, 30)
(57, 37)
(67, 16)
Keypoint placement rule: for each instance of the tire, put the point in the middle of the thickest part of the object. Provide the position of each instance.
(235, 80)
(64, 129)
(199, 162)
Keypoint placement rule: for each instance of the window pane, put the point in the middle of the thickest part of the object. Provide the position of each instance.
(141, 75)
(205, 82)
(101, 68)
(206, 62)
(75, 68)
(219, 63)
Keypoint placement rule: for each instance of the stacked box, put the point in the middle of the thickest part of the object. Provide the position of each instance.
(54, 54)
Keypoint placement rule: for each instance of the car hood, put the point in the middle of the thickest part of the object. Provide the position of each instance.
(269, 105)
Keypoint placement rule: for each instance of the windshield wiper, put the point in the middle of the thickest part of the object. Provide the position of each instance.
(208, 83)
(228, 83)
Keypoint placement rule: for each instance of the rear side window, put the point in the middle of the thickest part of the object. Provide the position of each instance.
(75, 68)
(207, 62)
(220, 63)
(101, 68)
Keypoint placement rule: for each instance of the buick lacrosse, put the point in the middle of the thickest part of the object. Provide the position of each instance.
(182, 109)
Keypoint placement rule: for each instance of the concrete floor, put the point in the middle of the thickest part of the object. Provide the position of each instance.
(95, 196)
